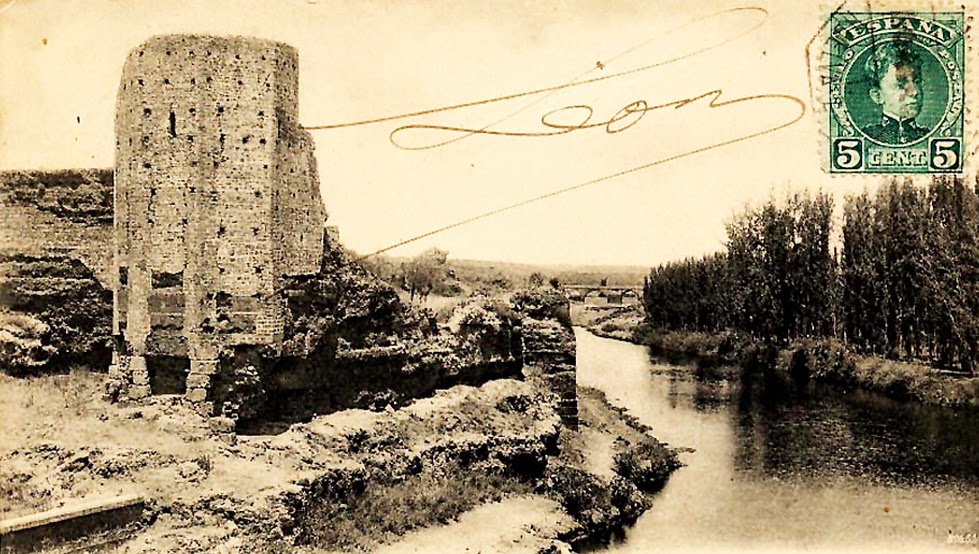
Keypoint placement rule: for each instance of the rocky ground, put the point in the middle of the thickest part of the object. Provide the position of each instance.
(53, 312)
(351, 481)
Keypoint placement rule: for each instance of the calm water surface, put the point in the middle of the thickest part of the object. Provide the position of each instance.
(777, 466)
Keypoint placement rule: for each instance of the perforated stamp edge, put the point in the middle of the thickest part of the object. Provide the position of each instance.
(819, 62)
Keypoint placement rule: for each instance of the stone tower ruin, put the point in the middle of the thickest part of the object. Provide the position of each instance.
(216, 199)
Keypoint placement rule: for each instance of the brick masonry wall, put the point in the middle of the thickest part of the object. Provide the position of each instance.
(216, 194)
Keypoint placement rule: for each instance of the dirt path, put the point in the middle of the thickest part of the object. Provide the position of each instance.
(511, 525)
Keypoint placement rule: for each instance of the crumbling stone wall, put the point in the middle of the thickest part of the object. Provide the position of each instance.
(549, 346)
(216, 199)
(60, 213)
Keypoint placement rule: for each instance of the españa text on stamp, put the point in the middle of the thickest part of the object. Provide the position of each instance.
(896, 92)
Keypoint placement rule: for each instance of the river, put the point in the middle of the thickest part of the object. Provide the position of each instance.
(777, 466)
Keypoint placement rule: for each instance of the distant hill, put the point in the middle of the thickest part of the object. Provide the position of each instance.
(569, 274)
(495, 275)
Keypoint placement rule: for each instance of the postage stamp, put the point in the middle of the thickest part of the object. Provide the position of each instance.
(897, 92)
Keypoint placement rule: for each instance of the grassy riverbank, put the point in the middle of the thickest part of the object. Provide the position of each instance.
(826, 360)
(821, 359)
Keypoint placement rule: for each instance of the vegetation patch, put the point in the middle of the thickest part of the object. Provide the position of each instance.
(895, 310)
(826, 360)
(54, 313)
(390, 508)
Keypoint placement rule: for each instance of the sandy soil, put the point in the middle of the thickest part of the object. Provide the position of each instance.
(509, 526)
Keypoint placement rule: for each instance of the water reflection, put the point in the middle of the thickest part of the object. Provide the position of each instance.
(791, 466)
(787, 428)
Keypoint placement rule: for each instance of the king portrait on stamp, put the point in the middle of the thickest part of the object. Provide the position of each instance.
(894, 71)
(896, 92)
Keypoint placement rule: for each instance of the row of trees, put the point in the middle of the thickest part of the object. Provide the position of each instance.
(905, 281)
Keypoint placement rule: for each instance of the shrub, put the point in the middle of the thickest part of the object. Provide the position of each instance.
(648, 464)
(21, 343)
(598, 507)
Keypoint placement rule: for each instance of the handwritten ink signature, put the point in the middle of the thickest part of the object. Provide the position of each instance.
(626, 118)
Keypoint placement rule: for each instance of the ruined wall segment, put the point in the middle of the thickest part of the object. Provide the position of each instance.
(216, 199)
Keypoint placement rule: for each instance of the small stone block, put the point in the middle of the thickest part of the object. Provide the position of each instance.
(138, 392)
(222, 424)
(141, 378)
(204, 367)
(205, 409)
(137, 363)
(197, 395)
(198, 381)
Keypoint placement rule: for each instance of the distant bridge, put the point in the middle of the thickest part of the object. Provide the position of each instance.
(604, 294)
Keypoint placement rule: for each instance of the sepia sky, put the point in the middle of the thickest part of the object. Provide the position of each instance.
(60, 63)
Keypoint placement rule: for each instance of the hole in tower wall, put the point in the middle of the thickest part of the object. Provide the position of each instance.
(168, 374)
(162, 279)
(173, 124)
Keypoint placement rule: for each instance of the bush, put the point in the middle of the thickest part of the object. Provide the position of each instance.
(541, 303)
(648, 464)
(598, 507)
(21, 343)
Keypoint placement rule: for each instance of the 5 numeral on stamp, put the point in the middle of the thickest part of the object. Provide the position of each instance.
(945, 154)
(847, 154)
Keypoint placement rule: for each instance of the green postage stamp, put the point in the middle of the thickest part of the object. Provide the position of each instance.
(897, 85)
